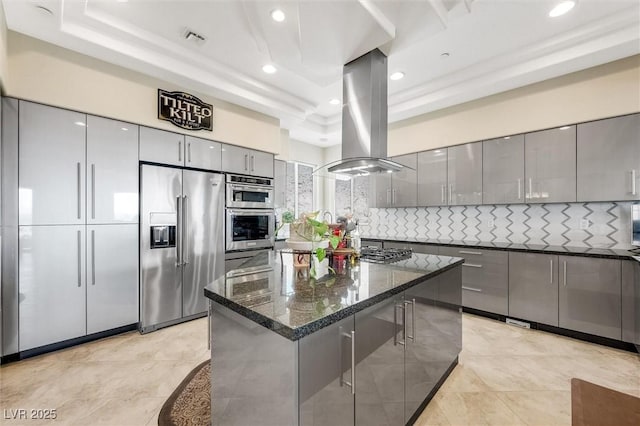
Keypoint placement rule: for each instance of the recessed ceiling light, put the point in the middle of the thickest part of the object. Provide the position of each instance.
(562, 8)
(79, 123)
(269, 69)
(277, 15)
(396, 75)
(334, 101)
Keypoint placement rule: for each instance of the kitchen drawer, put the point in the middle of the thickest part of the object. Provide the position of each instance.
(485, 278)
(417, 248)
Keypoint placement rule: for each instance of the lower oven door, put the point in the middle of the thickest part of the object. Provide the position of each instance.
(249, 229)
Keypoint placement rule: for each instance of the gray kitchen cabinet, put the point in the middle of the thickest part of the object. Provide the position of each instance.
(631, 302)
(279, 184)
(464, 174)
(432, 178)
(380, 190)
(160, 146)
(51, 165)
(203, 153)
(325, 374)
(589, 295)
(550, 165)
(533, 287)
(112, 276)
(416, 248)
(236, 159)
(379, 357)
(485, 278)
(404, 183)
(608, 159)
(112, 171)
(52, 284)
(503, 170)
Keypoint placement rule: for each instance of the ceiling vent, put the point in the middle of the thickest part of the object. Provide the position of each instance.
(194, 37)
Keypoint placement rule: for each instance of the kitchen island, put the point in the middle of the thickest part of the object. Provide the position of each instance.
(368, 344)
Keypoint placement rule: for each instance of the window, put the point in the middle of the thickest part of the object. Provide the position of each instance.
(299, 193)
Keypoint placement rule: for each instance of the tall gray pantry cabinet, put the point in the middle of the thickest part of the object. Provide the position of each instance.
(77, 224)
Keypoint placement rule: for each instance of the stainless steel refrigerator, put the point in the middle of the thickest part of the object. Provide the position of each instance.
(181, 243)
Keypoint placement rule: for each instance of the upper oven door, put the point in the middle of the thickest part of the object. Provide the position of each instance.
(249, 229)
(249, 196)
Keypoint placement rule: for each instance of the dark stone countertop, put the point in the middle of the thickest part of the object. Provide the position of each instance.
(611, 253)
(271, 292)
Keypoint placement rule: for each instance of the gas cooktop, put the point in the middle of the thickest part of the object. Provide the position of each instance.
(389, 255)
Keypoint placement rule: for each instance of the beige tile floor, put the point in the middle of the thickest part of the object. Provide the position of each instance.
(506, 376)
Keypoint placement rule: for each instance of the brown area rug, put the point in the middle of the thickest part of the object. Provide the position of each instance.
(594, 405)
(190, 403)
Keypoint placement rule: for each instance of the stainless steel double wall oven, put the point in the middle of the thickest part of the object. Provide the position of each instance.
(250, 218)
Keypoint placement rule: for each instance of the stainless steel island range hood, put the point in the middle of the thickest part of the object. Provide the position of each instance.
(364, 117)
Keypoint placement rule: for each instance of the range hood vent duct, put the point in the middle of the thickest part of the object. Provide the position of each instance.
(364, 117)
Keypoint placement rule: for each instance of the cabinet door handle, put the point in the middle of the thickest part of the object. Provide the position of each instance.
(393, 196)
(564, 273)
(550, 271)
(79, 179)
(189, 151)
(352, 383)
(179, 151)
(530, 188)
(388, 196)
(185, 228)
(451, 194)
(79, 259)
(470, 252)
(442, 194)
(209, 326)
(471, 265)
(519, 189)
(478, 290)
(93, 191)
(93, 257)
(411, 303)
(395, 326)
(246, 162)
(633, 182)
(253, 163)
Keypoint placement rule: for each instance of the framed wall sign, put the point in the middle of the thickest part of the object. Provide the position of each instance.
(184, 110)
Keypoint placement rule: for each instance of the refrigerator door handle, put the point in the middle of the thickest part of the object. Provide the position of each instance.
(179, 231)
(185, 230)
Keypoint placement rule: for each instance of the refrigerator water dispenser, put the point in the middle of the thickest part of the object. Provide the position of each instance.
(163, 236)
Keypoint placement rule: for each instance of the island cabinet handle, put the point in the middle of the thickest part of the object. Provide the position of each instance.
(209, 326)
(396, 341)
(352, 383)
(411, 303)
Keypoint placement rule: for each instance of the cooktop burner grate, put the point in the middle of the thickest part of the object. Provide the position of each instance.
(389, 255)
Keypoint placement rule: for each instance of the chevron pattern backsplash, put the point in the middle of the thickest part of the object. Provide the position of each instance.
(602, 225)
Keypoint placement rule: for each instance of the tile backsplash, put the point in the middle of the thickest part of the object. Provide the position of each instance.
(602, 225)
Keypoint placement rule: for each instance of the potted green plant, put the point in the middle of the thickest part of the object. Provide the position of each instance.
(308, 233)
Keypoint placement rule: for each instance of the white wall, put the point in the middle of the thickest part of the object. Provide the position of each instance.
(599, 92)
(42, 72)
(3, 49)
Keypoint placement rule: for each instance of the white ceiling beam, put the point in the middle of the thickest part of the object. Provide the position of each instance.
(379, 17)
(440, 10)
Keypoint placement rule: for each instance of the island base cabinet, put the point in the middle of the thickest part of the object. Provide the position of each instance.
(325, 359)
(379, 351)
(590, 296)
(253, 372)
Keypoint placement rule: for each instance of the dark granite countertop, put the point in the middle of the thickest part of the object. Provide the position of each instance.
(271, 292)
(612, 253)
